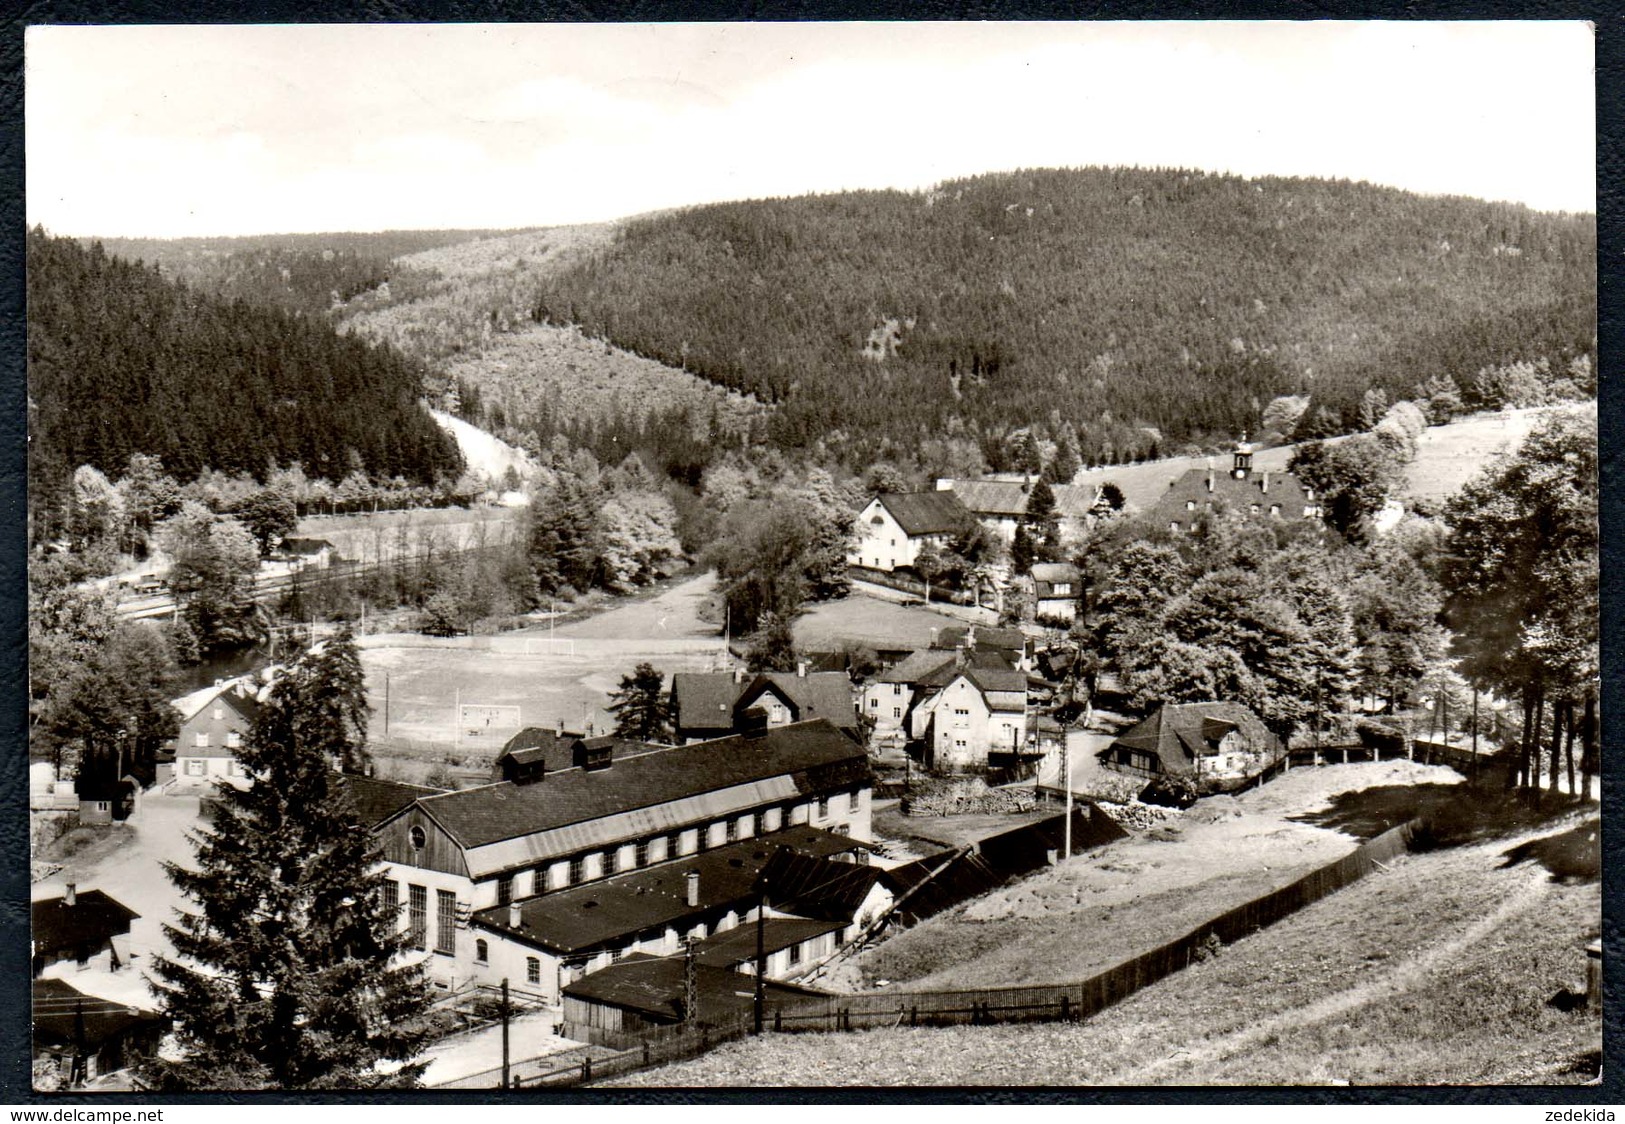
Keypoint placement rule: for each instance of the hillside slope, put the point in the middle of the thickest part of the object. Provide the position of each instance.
(1438, 971)
(1137, 307)
(122, 361)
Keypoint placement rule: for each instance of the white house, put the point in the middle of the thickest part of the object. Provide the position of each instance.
(214, 722)
(894, 527)
(980, 715)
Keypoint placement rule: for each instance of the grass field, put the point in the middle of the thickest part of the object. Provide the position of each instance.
(867, 621)
(424, 685)
(1439, 971)
(374, 538)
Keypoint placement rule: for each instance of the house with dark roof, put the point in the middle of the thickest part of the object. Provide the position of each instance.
(214, 722)
(643, 993)
(1011, 643)
(450, 856)
(554, 938)
(894, 527)
(977, 719)
(1215, 744)
(1202, 492)
(83, 1037)
(707, 705)
(1057, 589)
(78, 928)
(1001, 505)
(888, 698)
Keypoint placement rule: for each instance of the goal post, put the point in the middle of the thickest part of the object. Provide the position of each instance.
(477, 720)
(547, 646)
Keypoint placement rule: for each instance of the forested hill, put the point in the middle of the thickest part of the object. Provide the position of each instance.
(1141, 308)
(122, 361)
(312, 273)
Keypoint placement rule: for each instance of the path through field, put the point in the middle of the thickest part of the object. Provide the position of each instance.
(1405, 975)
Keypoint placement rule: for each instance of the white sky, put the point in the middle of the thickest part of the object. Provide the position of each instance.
(171, 131)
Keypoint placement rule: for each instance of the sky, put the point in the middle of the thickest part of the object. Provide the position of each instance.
(220, 130)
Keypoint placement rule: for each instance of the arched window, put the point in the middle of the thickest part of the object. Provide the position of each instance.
(418, 837)
(482, 952)
(533, 970)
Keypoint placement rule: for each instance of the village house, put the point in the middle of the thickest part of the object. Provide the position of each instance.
(80, 930)
(977, 720)
(1001, 505)
(889, 698)
(1010, 643)
(82, 1037)
(644, 993)
(1217, 745)
(894, 527)
(306, 554)
(627, 807)
(214, 722)
(1253, 495)
(1057, 589)
(707, 705)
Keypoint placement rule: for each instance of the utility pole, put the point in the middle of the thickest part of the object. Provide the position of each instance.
(1066, 782)
(386, 704)
(691, 983)
(505, 1083)
(761, 954)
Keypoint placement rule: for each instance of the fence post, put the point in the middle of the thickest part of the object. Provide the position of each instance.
(914, 1016)
(586, 1068)
(645, 1051)
(778, 1020)
(1066, 1015)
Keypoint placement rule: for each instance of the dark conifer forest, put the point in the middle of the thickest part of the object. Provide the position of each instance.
(1144, 308)
(122, 360)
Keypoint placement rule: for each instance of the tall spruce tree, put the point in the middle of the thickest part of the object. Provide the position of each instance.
(641, 707)
(286, 976)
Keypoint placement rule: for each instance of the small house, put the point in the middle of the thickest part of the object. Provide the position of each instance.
(88, 1037)
(214, 722)
(1216, 745)
(708, 705)
(1057, 589)
(643, 993)
(307, 554)
(79, 928)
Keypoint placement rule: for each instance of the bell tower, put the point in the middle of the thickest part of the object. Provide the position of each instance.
(1243, 465)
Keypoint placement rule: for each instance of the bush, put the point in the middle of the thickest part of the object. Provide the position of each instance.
(1170, 791)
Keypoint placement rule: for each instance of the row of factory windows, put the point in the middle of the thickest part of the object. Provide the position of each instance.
(591, 866)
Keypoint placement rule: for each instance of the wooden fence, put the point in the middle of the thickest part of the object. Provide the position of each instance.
(1079, 1000)
(655, 1047)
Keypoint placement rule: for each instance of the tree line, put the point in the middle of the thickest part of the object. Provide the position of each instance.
(123, 361)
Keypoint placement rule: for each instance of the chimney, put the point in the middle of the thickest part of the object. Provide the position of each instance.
(515, 921)
(1265, 486)
(693, 880)
(801, 669)
(739, 675)
(72, 895)
(559, 729)
(970, 637)
(1210, 479)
